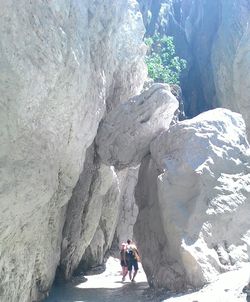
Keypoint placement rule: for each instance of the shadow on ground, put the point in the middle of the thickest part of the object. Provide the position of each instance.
(127, 292)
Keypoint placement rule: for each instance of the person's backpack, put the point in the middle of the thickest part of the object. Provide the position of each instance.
(133, 254)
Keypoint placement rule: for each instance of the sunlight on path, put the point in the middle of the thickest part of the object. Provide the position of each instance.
(111, 277)
(108, 287)
(103, 287)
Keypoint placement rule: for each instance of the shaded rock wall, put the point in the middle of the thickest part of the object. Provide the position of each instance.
(213, 36)
(62, 63)
(162, 268)
(231, 60)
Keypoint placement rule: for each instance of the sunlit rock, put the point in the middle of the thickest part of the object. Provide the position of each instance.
(197, 188)
(125, 134)
(62, 63)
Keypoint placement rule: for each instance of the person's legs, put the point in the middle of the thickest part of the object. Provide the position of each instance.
(135, 270)
(124, 272)
(130, 270)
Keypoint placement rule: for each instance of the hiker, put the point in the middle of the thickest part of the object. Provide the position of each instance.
(124, 260)
(133, 259)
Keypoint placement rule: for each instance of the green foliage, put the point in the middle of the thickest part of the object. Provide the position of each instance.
(163, 65)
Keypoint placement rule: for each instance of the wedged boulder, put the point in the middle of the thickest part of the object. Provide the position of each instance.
(124, 136)
(203, 196)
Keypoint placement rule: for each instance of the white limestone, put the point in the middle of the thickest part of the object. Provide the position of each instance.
(125, 134)
(62, 64)
(203, 194)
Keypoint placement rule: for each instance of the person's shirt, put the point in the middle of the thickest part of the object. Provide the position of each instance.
(132, 252)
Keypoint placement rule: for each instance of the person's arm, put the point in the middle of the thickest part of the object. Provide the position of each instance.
(138, 255)
(124, 257)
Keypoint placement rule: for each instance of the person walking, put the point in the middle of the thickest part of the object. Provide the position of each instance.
(124, 260)
(133, 258)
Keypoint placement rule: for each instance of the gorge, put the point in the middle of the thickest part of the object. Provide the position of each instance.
(89, 157)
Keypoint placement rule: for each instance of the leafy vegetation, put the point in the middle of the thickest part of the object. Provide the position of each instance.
(163, 65)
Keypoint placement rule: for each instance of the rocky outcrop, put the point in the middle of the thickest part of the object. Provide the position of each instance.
(62, 63)
(195, 191)
(125, 134)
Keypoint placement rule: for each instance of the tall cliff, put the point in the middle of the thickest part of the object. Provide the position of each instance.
(213, 36)
(73, 135)
(63, 63)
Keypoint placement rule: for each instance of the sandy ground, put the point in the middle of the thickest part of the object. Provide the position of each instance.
(108, 287)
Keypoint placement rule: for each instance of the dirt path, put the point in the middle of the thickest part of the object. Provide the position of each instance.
(108, 287)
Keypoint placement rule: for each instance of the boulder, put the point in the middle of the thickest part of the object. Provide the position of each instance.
(125, 134)
(201, 189)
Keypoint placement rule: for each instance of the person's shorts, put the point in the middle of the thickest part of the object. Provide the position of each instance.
(123, 263)
(131, 264)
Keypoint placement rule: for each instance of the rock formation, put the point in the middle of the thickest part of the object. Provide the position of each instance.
(195, 191)
(213, 36)
(125, 134)
(72, 143)
(62, 63)
(230, 58)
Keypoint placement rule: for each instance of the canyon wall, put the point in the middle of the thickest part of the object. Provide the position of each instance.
(213, 36)
(63, 64)
(73, 136)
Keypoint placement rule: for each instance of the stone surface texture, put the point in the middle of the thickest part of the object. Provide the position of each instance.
(213, 36)
(197, 185)
(231, 58)
(128, 208)
(125, 134)
(62, 64)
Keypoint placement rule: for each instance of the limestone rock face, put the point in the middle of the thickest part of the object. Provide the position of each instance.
(231, 59)
(87, 209)
(125, 134)
(201, 195)
(62, 63)
(102, 238)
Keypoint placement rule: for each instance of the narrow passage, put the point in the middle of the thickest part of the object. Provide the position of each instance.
(104, 287)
